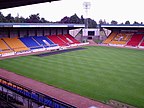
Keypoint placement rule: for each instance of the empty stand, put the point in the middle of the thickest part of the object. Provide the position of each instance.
(71, 39)
(15, 44)
(142, 43)
(118, 42)
(42, 40)
(135, 40)
(65, 39)
(33, 95)
(4, 48)
(57, 40)
(121, 39)
(110, 38)
(127, 36)
(30, 43)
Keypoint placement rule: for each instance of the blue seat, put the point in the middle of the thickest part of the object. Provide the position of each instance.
(48, 102)
(29, 42)
(34, 96)
(42, 40)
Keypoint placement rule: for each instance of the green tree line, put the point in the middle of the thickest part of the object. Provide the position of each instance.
(35, 18)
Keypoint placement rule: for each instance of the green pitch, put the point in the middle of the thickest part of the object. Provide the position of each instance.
(100, 73)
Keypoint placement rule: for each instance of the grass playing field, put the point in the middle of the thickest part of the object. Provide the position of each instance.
(100, 73)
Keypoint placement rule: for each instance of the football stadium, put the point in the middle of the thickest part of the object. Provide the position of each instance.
(47, 66)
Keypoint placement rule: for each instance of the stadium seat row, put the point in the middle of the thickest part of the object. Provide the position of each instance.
(31, 43)
(36, 96)
(125, 39)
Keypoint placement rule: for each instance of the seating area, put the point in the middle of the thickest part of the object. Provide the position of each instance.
(37, 97)
(4, 48)
(64, 38)
(135, 40)
(121, 39)
(71, 39)
(8, 101)
(142, 43)
(125, 39)
(42, 40)
(36, 43)
(30, 43)
(57, 40)
(110, 38)
(15, 44)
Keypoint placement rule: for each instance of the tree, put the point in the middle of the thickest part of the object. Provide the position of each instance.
(43, 20)
(102, 22)
(75, 19)
(22, 20)
(2, 18)
(82, 20)
(122, 23)
(65, 20)
(91, 23)
(127, 22)
(17, 19)
(34, 18)
(9, 18)
(114, 22)
(135, 22)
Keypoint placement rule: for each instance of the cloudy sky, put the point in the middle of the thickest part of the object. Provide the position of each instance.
(119, 10)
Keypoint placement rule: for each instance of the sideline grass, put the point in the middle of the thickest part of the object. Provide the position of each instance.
(100, 73)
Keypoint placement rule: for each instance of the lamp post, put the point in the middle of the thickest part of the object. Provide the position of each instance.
(86, 7)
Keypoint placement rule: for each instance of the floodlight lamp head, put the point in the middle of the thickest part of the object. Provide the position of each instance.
(86, 5)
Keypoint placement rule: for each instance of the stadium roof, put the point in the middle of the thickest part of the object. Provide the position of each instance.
(122, 26)
(15, 3)
(35, 25)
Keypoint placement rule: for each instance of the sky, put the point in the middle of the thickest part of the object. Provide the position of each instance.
(108, 10)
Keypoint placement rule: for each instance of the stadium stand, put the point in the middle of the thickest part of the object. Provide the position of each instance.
(142, 43)
(33, 95)
(4, 48)
(57, 40)
(30, 43)
(135, 40)
(125, 39)
(121, 39)
(36, 43)
(65, 39)
(44, 41)
(15, 44)
(11, 102)
(127, 36)
(110, 38)
(71, 39)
